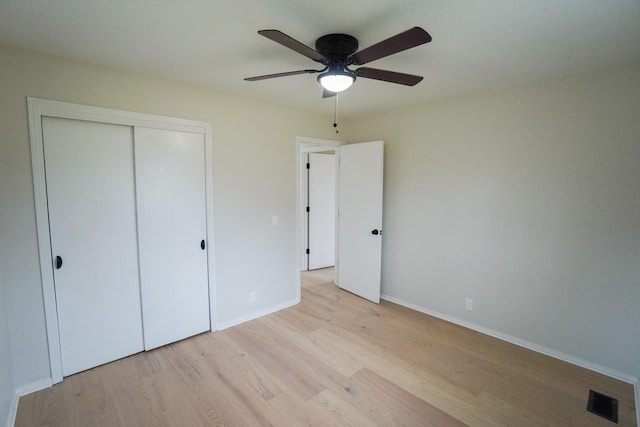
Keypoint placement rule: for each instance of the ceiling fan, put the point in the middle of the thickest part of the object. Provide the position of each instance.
(337, 52)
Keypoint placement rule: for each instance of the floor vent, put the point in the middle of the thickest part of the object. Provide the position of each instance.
(602, 405)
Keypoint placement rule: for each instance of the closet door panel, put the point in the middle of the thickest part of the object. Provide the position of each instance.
(170, 186)
(90, 191)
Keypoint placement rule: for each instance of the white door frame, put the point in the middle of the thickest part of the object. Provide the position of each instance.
(39, 108)
(306, 145)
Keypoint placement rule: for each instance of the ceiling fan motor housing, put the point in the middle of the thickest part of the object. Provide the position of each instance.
(337, 47)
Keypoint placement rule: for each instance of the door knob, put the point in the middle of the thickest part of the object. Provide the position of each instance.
(376, 232)
(58, 262)
(202, 244)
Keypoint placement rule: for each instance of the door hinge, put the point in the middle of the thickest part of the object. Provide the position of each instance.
(308, 209)
(308, 251)
(308, 165)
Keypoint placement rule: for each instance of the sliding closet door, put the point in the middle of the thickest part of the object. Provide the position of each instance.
(90, 190)
(170, 186)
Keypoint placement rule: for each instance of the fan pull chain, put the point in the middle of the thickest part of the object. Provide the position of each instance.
(335, 115)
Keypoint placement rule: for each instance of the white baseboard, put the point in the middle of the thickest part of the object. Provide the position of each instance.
(522, 343)
(13, 410)
(257, 314)
(22, 391)
(34, 386)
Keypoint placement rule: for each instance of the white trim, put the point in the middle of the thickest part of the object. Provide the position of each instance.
(23, 391)
(33, 387)
(39, 108)
(68, 110)
(521, 343)
(257, 314)
(310, 142)
(208, 153)
(303, 216)
(13, 411)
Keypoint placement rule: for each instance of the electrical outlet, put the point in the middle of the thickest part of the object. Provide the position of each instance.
(252, 296)
(469, 304)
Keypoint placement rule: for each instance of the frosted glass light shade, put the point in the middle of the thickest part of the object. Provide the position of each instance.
(336, 81)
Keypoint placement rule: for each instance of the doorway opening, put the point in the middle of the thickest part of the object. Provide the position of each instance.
(320, 210)
(311, 279)
(317, 226)
(357, 216)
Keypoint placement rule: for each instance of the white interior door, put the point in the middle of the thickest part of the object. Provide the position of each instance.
(360, 218)
(90, 190)
(170, 179)
(322, 210)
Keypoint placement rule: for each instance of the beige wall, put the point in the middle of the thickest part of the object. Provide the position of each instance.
(254, 178)
(6, 370)
(526, 200)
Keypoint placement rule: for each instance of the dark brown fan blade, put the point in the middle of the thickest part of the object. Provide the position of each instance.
(293, 44)
(328, 94)
(403, 41)
(288, 73)
(388, 76)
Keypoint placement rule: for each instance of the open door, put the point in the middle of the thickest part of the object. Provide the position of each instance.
(360, 218)
(321, 210)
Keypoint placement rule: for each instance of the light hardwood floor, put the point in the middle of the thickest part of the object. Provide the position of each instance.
(333, 359)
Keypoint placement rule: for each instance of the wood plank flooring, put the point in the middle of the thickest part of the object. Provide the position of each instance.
(332, 360)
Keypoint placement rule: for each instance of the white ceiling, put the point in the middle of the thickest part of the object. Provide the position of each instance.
(477, 45)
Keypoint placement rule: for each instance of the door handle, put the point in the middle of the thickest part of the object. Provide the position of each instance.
(58, 262)
(202, 244)
(375, 232)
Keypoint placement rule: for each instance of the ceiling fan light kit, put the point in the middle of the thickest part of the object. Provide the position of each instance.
(338, 51)
(337, 81)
